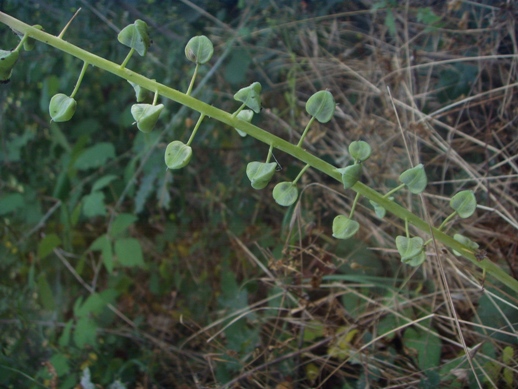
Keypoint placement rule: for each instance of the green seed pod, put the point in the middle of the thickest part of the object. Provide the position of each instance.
(7, 61)
(344, 228)
(177, 155)
(146, 115)
(246, 115)
(466, 242)
(415, 179)
(62, 107)
(409, 247)
(285, 193)
(199, 49)
(260, 173)
(250, 96)
(350, 175)
(321, 105)
(140, 93)
(464, 203)
(360, 150)
(136, 36)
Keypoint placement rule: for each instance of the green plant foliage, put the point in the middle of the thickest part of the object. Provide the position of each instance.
(246, 115)
(7, 61)
(344, 228)
(260, 173)
(360, 151)
(136, 36)
(350, 175)
(62, 107)
(321, 105)
(415, 179)
(411, 250)
(464, 203)
(250, 96)
(146, 115)
(199, 49)
(177, 155)
(285, 193)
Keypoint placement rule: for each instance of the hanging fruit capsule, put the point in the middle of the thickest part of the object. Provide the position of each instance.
(8, 59)
(146, 115)
(62, 107)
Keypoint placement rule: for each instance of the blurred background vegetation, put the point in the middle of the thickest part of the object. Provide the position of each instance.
(116, 272)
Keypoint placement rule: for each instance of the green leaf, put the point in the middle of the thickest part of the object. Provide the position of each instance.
(62, 107)
(260, 173)
(464, 203)
(129, 252)
(103, 182)
(95, 156)
(11, 203)
(47, 245)
(85, 332)
(93, 204)
(344, 228)
(64, 339)
(285, 193)
(415, 179)
(466, 242)
(378, 209)
(427, 346)
(45, 295)
(177, 155)
(416, 260)
(140, 93)
(246, 115)
(350, 175)
(360, 151)
(104, 245)
(146, 115)
(199, 49)
(7, 61)
(121, 223)
(136, 36)
(250, 96)
(409, 247)
(321, 105)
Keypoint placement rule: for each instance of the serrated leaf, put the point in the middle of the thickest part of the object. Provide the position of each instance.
(466, 242)
(464, 203)
(146, 115)
(260, 173)
(344, 228)
(136, 36)
(177, 155)
(246, 115)
(285, 193)
(350, 175)
(199, 49)
(250, 96)
(321, 105)
(409, 247)
(8, 59)
(62, 107)
(95, 156)
(129, 252)
(360, 151)
(121, 223)
(415, 179)
(104, 245)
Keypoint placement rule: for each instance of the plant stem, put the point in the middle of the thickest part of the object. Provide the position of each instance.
(155, 98)
(356, 198)
(123, 64)
(191, 84)
(394, 190)
(200, 119)
(263, 136)
(447, 220)
(79, 79)
(305, 131)
(239, 110)
(301, 173)
(270, 153)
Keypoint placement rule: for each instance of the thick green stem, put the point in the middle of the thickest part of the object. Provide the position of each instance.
(263, 136)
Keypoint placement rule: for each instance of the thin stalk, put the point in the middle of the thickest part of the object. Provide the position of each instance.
(79, 79)
(447, 220)
(155, 98)
(200, 119)
(191, 84)
(356, 198)
(270, 153)
(123, 64)
(394, 190)
(239, 110)
(301, 173)
(305, 131)
(263, 136)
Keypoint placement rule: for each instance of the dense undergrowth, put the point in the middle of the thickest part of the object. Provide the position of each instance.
(213, 284)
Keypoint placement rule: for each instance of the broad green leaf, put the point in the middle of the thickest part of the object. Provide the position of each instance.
(250, 96)
(246, 115)
(47, 245)
(350, 175)
(85, 332)
(45, 295)
(140, 93)
(199, 49)
(464, 203)
(260, 173)
(409, 247)
(64, 339)
(360, 151)
(62, 107)
(136, 36)
(466, 242)
(10, 203)
(321, 105)
(103, 182)
(285, 193)
(93, 305)
(415, 179)
(104, 245)
(378, 209)
(129, 252)
(177, 155)
(344, 228)
(93, 204)
(427, 346)
(146, 115)
(7, 61)
(121, 223)
(95, 156)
